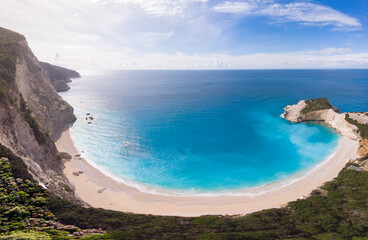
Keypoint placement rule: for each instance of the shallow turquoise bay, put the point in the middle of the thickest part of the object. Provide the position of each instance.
(207, 131)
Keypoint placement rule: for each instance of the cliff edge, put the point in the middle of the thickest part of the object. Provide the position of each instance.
(30, 112)
(321, 109)
(59, 76)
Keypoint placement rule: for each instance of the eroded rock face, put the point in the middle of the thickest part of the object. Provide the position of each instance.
(17, 132)
(330, 117)
(292, 112)
(363, 148)
(49, 109)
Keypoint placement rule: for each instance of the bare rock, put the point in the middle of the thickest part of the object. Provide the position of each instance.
(330, 117)
(363, 148)
(65, 156)
(60, 86)
(354, 168)
(49, 109)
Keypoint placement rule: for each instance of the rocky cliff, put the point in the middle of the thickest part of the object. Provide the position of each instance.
(59, 76)
(351, 125)
(321, 110)
(30, 112)
(49, 109)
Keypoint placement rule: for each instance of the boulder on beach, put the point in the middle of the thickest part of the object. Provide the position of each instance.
(65, 156)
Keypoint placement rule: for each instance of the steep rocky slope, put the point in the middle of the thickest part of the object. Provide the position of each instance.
(59, 76)
(30, 112)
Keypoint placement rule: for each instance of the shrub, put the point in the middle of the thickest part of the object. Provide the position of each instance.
(31, 235)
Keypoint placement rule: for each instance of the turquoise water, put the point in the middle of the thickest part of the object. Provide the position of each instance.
(207, 131)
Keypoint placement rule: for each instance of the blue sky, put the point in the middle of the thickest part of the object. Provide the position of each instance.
(193, 34)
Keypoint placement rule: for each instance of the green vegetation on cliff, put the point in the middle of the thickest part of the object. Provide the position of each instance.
(18, 167)
(22, 201)
(24, 212)
(26, 113)
(316, 104)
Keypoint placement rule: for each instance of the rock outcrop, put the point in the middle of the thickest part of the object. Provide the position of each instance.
(330, 116)
(363, 148)
(60, 86)
(31, 111)
(59, 76)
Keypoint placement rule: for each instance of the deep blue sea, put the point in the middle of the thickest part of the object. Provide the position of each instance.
(207, 131)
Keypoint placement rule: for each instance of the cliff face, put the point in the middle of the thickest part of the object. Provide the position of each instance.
(50, 110)
(363, 148)
(31, 110)
(330, 116)
(59, 76)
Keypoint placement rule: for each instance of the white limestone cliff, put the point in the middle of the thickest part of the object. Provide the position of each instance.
(330, 116)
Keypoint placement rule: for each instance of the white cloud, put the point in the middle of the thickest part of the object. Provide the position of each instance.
(138, 34)
(332, 51)
(235, 7)
(303, 12)
(157, 7)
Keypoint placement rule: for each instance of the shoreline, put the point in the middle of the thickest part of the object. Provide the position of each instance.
(101, 191)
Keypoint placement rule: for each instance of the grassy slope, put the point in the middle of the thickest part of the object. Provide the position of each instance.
(20, 200)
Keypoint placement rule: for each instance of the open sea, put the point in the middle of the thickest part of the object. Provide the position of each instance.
(207, 131)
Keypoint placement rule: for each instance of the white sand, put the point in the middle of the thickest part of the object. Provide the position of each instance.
(121, 197)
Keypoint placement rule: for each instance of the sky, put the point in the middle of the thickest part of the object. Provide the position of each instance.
(193, 34)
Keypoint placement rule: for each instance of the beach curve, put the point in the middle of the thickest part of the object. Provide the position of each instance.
(101, 191)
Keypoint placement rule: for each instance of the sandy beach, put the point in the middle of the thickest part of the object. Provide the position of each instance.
(102, 191)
